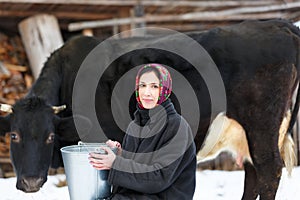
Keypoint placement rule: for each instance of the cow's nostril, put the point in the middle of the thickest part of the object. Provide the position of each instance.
(40, 181)
(26, 182)
(31, 184)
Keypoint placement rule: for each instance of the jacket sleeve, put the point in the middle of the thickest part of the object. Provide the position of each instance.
(161, 172)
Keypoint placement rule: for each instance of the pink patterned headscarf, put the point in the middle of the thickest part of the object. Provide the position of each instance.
(165, 82)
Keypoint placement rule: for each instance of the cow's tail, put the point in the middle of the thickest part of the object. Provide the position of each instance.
(295, 111)
(288, 153)
(213, 136)
(288, 149)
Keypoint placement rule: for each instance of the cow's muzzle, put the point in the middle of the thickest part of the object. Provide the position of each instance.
(30, 184)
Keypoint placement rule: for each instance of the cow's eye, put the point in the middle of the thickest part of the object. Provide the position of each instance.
(14, 137)
(50, 138)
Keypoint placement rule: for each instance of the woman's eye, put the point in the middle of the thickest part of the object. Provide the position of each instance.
(14, 137)
(155, 86)
(50, 138)
(142, 85)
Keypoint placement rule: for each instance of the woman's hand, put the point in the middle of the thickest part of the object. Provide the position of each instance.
(115, 144)
(102, 161)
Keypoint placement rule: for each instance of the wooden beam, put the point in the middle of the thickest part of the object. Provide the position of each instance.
(146, 2)
(184, 27)
(170, 18)
(4, 160)
(103, 23)
(292, 15)
(59, 14)
(243, 10)
(194, 16)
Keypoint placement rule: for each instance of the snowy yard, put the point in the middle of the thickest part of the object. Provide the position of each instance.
(220, 185)
(211, 185)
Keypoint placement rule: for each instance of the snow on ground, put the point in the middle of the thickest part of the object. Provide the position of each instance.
(211, 185)
(49, 191)
(222, 185)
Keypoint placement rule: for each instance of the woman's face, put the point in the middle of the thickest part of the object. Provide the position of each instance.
(149, 90)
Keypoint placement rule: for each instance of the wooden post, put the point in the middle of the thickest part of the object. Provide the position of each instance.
(115, 31)
(138, 11)
(125, 29)
(41, 36)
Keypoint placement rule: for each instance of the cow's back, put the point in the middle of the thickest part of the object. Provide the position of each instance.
(60, 70)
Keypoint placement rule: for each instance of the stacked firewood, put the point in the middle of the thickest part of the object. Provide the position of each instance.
(15, 78)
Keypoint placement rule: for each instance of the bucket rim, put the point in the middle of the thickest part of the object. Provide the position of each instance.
(66, 149)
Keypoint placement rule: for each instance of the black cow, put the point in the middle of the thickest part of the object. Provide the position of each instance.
(257, 62)
(34, 127)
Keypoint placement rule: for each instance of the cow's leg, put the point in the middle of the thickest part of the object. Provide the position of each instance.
(250, 183)
(268, 183)
(268, 165)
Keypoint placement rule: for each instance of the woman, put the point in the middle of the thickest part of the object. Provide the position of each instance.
(157, 159)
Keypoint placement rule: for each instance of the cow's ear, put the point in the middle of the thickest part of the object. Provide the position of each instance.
(4, 125)
(66, 129)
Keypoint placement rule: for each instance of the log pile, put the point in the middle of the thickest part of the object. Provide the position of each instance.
(15, 80)
(14, 76)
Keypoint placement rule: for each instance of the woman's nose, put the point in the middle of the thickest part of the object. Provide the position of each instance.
(147, 90)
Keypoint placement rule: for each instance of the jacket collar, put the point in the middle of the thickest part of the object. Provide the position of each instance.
(151, 116)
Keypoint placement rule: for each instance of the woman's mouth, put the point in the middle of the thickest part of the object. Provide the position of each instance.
(148, 100)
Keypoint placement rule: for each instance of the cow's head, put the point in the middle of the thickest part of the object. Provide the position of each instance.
(33, 126)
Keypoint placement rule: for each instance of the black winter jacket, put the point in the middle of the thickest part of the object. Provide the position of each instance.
(158, 159)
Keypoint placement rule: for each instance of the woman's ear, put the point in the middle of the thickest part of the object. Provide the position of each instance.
(66, 129)
(4, 125)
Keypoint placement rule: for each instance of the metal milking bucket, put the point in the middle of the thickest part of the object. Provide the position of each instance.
(85, 182)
